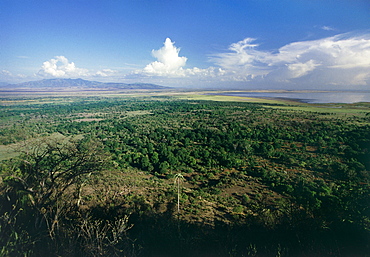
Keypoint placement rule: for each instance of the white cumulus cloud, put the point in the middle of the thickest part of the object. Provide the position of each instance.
(168, 60)
(170, 64)
(61, 67)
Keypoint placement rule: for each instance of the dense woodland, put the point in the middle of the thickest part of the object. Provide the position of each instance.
(160, 176)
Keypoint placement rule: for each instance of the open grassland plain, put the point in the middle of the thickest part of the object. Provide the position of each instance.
(182, 174)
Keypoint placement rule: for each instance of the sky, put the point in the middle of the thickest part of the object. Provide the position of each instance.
(230, 44)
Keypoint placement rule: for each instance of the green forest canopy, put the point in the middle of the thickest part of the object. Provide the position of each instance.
(291, 176)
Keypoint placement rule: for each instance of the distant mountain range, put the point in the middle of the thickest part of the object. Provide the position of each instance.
(75, 84)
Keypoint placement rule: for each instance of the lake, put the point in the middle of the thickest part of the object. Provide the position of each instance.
(310, 96)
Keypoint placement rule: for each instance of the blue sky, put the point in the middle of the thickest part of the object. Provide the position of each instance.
(248, 44)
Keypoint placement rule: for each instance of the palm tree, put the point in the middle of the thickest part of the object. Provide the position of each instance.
(178, 179)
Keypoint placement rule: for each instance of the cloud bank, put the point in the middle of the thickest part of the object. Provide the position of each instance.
(338, 60)
(341, 61)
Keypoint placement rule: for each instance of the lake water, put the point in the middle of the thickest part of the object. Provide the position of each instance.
(311, 96)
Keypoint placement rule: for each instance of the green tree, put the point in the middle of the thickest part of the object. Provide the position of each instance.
(45, 170)
(163, 167)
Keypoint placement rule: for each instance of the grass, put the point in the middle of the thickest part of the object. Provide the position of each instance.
(225, 98)
(338, 109)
